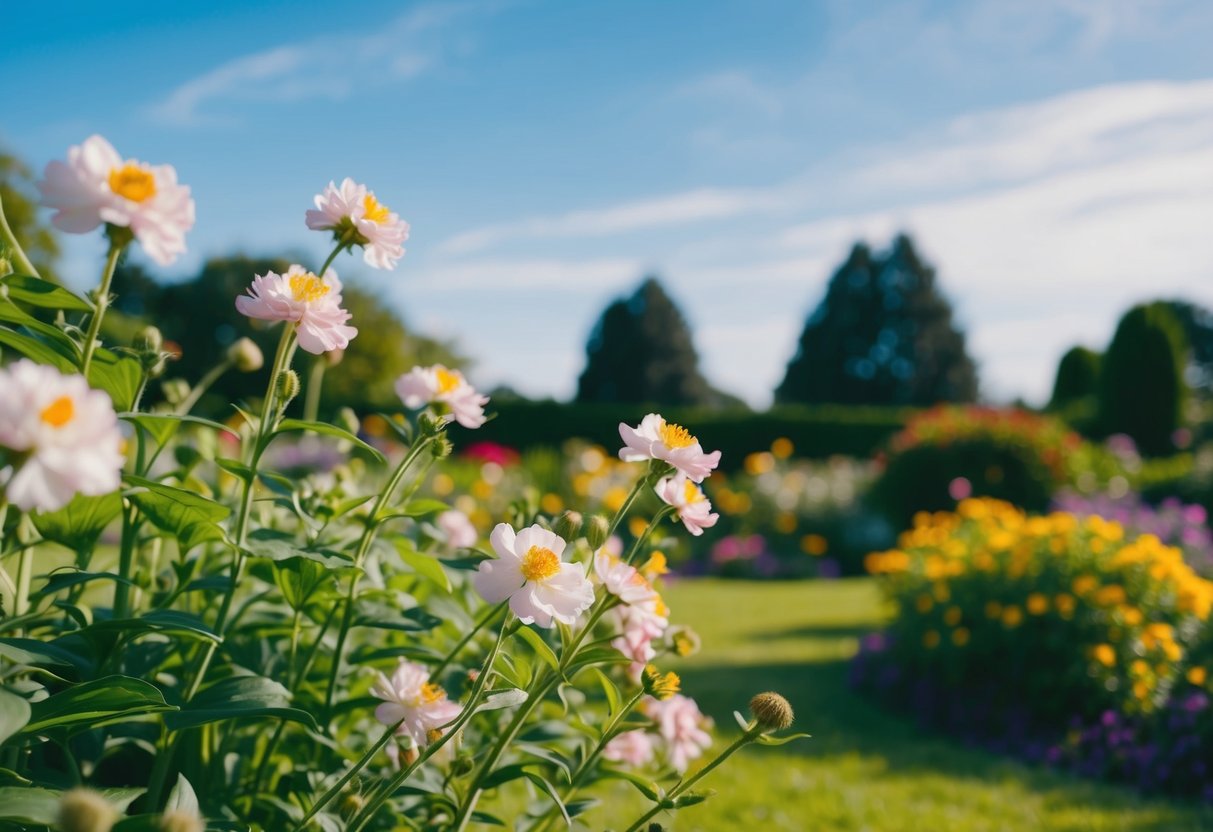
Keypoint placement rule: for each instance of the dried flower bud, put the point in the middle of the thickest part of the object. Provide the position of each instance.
(84, 810)
(149, 340)
(351, 805)
(568, 525)
(771, 711)
(597, 531)
(659, 685)
(178, 821)
(245, 355)
(288, 387)
(441, 447)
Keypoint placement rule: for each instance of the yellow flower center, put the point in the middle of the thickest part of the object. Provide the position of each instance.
(539, 564)
(676, 436)
(431, 692)
(448, 380)
(308, 287)
(59, 412)
(692, 493)
(374, 210)
(132, 182)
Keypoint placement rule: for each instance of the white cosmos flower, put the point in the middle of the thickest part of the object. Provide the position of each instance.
(528, 571)
(64, 436)
(424, 385)
(410, 695)
(694, 509)
(352, 209)
(96, 185)
(655, 438)
(312, 303)
(681, 725)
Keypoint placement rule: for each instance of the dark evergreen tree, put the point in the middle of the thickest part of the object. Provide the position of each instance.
(883, 334)
(1141, 385)
(1077, 377)
(20, 200)
(640, 352)
(1197, 324)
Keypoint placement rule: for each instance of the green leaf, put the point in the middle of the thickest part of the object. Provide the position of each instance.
(767, 739)
(498, 699)
(505, 774)
(646, 787)
(100, 702)
(182, 798)
(59, 581)
(299, 578)
(34, 291)
(189, 517)
(14, 714)
(596, 656)
(611, 690)
(162, 426)
(289, 425)
(543, 784)
(37, 349)
(692, 798)
(78, 524)
(541, 648)
(25, 805)
(162, 621)
(239, 697)
(35, 653)
(237, 469)
(118, 375)
(386, 617)
(424, 565)
(420, 508)
(277, 546)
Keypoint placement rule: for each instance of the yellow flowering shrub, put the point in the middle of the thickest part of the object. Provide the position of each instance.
(1064, 616)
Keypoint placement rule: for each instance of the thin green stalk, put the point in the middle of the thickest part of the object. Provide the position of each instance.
(648, 531)
(489, 614)
(101, 303)
(199, 389)
(19, 259)
(341, 246)
(631, 498)
(336, 788)
(315, 381)
(126, 557)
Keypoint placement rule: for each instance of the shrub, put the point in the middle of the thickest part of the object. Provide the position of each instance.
(1077, 377)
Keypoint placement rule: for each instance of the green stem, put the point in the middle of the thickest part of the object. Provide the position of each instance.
(315, 381)
(640, 485)
(336, 788)
(639, 542)
(100, 305)
(126, 557)
(489, 614)
(19, 259)
(204, 384)
(342, 245)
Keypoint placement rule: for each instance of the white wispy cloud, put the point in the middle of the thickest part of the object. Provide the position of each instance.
(332, 67)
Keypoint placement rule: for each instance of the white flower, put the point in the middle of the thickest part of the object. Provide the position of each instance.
(352, 209)
(458, 529)
(312, 303)
(410, 695)
(681, 725)
(529, 572)
(633, 748)
(655, 438)
(97, 186)
(422, 385)
(693, 507)
(64, 436)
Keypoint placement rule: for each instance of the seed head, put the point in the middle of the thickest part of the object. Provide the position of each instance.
(771, 711)
(84, 810)
(596, 531)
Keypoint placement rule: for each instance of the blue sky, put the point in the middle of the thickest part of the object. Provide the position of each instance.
(1053, 158)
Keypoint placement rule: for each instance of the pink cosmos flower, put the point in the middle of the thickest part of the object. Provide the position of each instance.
(422, 385)
(410, 695)
(655, 438)
(353, 210)
(693, 507)
(65, 434)
(459, 531)
(681, 726)
(638, 629)
(97, 186)
(312, 303)
(632, 748)
(528, 571)
(643, 616)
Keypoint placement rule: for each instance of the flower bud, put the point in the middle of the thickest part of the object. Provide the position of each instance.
(351, 805)
(84, 810)
(347, 419)
(659, 685)
(441, 447)
(410, 755)
(771, 711)
(568, 525)
(149, 340)
(6, 268)
(178, 821)
(685, 641)
(462, 765)
(175, 390)
(429, 424)
(597, 531)
(287, 387)
(245, 355)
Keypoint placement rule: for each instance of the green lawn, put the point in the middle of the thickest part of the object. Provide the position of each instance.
(863, 769)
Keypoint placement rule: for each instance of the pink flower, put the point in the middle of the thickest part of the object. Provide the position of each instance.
(97, 186)
(633, 748)
(655, 438)
(422, 385)
(638, 630)
(459, 531)
(693, 507)
(65, 434)
(681, 726)
(410, 695)
(312, 303)
(643, 616)
(528, 571)
(352, 213)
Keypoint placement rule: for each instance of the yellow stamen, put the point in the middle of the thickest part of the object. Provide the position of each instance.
(539, 564)
(375, 211)
(692, 493)
(431, 692)
(59, 412)
(656, 565)
(308, 287)
(132, 182)
(676, 436)
(448, 380)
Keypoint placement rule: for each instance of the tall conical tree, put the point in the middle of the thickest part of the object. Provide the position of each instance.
(641, 352)
(883, 334)
(1141, 386)
(1077, 377)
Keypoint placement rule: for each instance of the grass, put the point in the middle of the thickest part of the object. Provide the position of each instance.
(864, 770)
